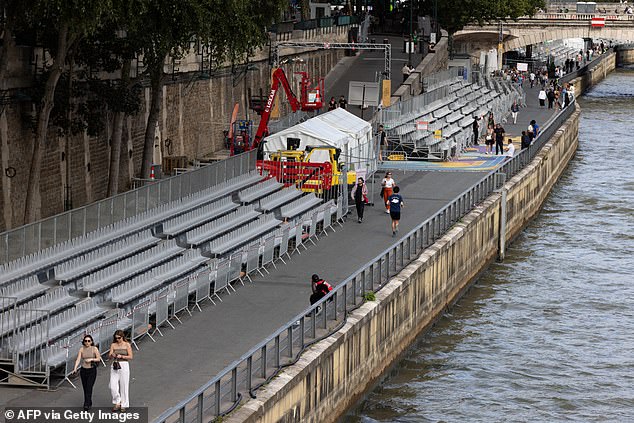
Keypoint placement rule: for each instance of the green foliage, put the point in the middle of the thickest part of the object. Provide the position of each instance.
(453, 15)
(369, 296)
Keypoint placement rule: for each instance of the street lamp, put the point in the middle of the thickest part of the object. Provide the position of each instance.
(411, 33)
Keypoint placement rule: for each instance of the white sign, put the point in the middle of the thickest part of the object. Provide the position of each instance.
(432, 38)
(422, 125)
(522, 67)
(366, 93)
(409, 47)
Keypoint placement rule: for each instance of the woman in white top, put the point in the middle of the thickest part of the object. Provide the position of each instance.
(542, 97)
(387, 184)
(121, 353)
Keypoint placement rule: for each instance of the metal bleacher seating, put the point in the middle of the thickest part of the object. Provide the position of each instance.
(135, 261)
(59, 324)
(218, 226)
(23, 289)
(120, 271)
(182, 223)
(258, 191)
(238, 237)
(299, 206)
(52, 301)
(273, 201)
(149, 281)
(103, 256)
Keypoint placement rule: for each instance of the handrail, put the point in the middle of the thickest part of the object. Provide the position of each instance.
(238, 376)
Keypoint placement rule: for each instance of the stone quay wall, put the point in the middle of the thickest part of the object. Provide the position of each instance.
(625, 55)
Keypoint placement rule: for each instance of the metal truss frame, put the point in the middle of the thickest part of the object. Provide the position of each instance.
(387, 48)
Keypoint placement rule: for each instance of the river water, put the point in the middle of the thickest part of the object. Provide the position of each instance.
(548, 335)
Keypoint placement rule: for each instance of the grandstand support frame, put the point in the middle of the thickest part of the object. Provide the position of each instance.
(23, 379)
(387, 48)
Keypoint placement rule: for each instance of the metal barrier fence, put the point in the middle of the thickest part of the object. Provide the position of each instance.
(54, 230)
(224, 392)
(441, 78)
(398, 111)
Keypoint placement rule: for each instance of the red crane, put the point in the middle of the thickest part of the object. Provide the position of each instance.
(311, 99)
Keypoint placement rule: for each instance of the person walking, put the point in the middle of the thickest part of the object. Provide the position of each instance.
(551, 98)
(395, 203)
(121, 353)
(499, 139)
(476, 130)
(387, 184)
(488, 141)
(514, 110)
(359, 194)
(88, 357)
(490, 121)
(406, 71)
(525, 140)
(531, 78)
(383, 144)
(542, 97)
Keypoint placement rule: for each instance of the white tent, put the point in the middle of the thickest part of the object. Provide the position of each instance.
(362, 147)
(312, 132)
(337, 128)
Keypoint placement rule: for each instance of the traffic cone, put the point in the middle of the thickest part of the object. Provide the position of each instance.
(318, 99)
(152, 173)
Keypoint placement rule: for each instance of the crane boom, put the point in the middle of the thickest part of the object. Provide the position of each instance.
(279, 77)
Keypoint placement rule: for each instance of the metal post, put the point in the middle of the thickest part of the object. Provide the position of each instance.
(411, 33)
(502, 226)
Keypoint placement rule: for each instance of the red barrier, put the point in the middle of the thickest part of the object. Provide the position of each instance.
(306, 176)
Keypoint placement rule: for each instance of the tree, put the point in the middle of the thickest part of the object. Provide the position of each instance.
(304, 9)
(232, 28)
(64, 22)
(453, 15)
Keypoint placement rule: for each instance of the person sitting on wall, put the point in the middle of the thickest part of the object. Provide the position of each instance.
(320, 288)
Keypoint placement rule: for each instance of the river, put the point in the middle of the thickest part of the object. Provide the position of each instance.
(547, 335)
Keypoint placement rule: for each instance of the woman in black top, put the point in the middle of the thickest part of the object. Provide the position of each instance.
(359, 194)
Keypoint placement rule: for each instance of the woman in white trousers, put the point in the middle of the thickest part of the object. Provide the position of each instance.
(121, 353)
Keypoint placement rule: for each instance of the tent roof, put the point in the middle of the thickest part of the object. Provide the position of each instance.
(345, 121)
(311, 132)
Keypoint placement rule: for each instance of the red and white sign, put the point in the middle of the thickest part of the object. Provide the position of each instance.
(422, 125)
(597, 22)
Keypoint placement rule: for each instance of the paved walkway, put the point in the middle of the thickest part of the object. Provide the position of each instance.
(364, 67)
(165, 372)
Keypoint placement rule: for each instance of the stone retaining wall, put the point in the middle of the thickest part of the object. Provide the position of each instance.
(625, 55)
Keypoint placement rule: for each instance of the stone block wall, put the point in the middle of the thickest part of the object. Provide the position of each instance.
(624, 55)
(433, 62)
(333, 374)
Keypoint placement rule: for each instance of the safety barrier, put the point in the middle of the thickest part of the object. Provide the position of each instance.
(63, 227)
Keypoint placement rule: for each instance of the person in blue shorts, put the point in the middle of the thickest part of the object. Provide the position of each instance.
(395, 203)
